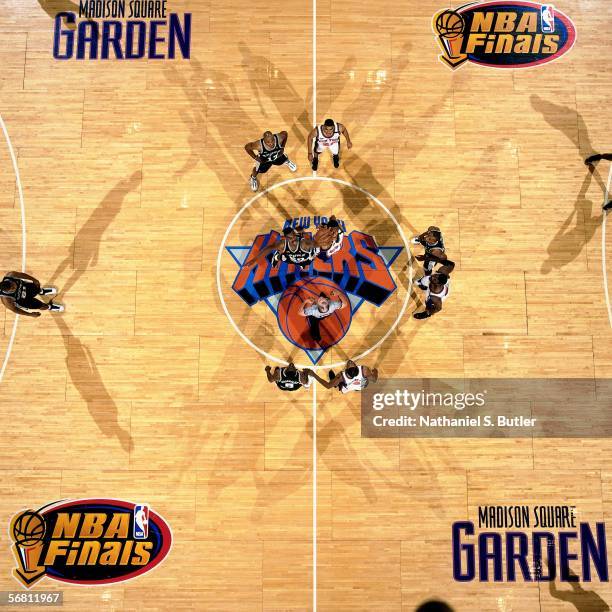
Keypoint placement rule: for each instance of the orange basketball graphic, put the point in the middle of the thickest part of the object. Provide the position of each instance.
(296, 328)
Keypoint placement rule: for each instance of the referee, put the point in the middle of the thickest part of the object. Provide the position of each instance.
(589, 161)
(19, 291)
(322, 307)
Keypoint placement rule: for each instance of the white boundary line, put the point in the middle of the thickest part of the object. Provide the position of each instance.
(298, 180)
(314, 385)
(314, 496)
(23, 240)
(603, 248)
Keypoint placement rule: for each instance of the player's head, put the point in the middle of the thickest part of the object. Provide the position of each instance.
(432, 235)
(291, 368)
(328, 127)
(323, 302)
(268, 137)
(7, 286)
(352, 370)
(439, 279)
(289, 231)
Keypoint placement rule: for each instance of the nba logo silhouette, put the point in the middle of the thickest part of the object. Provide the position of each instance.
(141, 522)
(547, 13)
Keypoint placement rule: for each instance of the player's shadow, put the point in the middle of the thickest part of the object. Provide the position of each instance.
(581, 599)
(568, 121)
(86, 378)
(434, 605)
(88, 238)
(577, 230)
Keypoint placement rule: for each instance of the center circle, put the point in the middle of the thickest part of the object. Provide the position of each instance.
(300, 330)
(279, 360)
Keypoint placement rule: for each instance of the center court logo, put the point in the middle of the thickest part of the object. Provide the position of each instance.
(517, 34)
(361, 269)
(88, 542)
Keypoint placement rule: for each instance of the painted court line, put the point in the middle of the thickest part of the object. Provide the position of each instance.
(23, 241)
(603, 247)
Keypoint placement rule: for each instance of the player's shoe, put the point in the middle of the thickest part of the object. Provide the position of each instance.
(291, 165)
(48, 291)
(592, 159)
(608, 206)
(315, 163)
(254, 183)
(56, 307)
(421, 315)
(336, 159)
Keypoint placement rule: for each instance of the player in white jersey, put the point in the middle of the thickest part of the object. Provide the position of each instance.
(436, 285)
(329, 236)
(352, 378)
(327, 136)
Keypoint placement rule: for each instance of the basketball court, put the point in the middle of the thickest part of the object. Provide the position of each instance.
(133, 184)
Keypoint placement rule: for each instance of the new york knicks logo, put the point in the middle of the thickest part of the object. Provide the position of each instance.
(517, 34)
(358, 272)
(88, 542)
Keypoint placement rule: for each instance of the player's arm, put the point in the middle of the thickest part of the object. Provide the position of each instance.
(283, 136)
(328, 384)
(25, 277)
(311, 140)
(345, 133)
(252, 148)
(263, 253)
(306, 304)
(371, 374)
(10, 304)
(447, 266)
(269, 374)
(340, 297)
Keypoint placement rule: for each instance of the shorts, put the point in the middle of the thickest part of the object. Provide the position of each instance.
(263, 167)
(335, 148)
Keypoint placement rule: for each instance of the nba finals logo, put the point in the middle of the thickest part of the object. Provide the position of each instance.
(356, 271)
(88, 542)
(116, 29)
(513, 34)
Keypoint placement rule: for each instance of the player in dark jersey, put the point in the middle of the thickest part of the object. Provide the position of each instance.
(288, 378)
(589, 161)
(294, 247)
(352, 378)
(268, 151)
(19, 291)
(433, 243)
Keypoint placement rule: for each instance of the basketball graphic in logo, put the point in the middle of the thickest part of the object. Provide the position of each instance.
(450, 24)
(296, 327)
(28, 528)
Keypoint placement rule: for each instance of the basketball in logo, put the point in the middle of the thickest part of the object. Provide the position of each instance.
(296, 328)
(28, 528)
(450, 24)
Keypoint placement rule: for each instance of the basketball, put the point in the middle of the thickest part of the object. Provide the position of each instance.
(296, 328)
(28, 528)
(450, 24)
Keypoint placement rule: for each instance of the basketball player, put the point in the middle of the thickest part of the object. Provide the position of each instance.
(327, 136)
(18, 293)
(435, 284)
(352, 378)
(319, 308)
(329, 236)
(294, 247)
(433, 243)
(288, 378)
(267, 152)
(589, 161)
